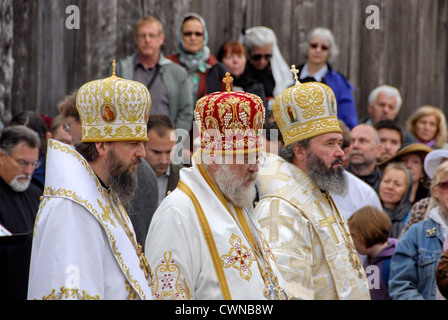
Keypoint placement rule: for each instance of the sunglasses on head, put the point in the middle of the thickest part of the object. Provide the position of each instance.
(443, 185)
(257, 57)
(316, 45)
(190, 33)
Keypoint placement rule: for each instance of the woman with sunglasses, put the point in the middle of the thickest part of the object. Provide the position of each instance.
(321, 50)
(206, 72)
(414, 263)
(265, 62)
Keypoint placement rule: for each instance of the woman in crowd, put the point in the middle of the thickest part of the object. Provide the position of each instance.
(420, 208)
(414, 263)
(266, 63)
(370, 229)
(394, 191)
(413, 157)
(428, 125)
(234, 56)
(205, 71)
(322, 50)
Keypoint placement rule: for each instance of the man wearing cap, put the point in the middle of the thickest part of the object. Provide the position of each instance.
(296, 211)
(84, 245)
(204, 241)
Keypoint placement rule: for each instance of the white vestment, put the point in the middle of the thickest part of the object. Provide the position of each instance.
(359, 194)
(201, 247)
(308, 236)
(81, 249)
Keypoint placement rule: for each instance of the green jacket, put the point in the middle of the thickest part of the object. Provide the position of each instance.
(177, 85)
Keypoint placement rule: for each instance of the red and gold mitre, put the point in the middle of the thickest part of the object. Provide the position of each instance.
(113, 109)
(305, 110)
(230, 122)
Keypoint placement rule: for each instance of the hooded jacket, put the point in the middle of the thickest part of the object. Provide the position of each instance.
(379, 290)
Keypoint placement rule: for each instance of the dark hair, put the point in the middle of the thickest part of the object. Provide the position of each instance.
(287, 153)
(11, 136)
(390, 124)
(346, 136)
(35, 122)
(161, 123)
(87, 150)
(268, 126)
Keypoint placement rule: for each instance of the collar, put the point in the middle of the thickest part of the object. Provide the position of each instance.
(319, 75)
(162, 61)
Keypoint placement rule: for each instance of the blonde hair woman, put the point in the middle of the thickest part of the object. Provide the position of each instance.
(428, 125)
(415, 260)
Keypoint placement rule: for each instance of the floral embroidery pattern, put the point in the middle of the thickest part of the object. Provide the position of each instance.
(68, 293)
(168, 285)
(240, 258)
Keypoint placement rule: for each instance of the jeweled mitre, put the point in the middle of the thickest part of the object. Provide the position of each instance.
(113, 109)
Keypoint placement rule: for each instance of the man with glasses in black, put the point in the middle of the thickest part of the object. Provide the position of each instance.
(19, 202)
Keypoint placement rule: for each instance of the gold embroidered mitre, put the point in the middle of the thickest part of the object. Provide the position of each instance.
(113, 109)
(305, 110)
(230, 122)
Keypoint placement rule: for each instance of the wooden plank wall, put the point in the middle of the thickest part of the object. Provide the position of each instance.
(41, 60)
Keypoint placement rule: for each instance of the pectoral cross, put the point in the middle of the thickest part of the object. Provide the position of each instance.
(295, 72)
(228, 80)
(327, 222)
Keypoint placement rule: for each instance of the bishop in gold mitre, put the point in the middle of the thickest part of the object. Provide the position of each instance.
(308, 236)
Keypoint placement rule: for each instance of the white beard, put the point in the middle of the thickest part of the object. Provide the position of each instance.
(233, 188)
(20, 186)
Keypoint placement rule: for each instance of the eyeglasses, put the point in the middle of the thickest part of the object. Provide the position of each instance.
(257, 57)
(143, 36)
(190, 33)
(25, 164)
(443, 185)
(322, 46)
(66, 127)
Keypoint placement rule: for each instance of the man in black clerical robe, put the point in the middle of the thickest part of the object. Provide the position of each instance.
(19, 202)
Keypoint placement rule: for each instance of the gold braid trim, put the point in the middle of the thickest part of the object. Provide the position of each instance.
(209, 239)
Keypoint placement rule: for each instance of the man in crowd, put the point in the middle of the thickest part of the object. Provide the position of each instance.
(384, 102)
(391, 138)
(160, 144)
(366, 148)
(166, 81)
(84, 245)
(204, 232)
(307, 234)
(19, 202)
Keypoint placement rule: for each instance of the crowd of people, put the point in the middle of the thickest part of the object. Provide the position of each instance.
(190, 176)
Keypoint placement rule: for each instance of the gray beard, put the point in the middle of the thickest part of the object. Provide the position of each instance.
(327, 179)
(231, 187)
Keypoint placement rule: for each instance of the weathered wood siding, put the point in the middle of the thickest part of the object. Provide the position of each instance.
(41, 60)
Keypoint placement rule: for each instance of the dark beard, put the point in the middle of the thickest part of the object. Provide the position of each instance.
(327, 179)
(122, 182)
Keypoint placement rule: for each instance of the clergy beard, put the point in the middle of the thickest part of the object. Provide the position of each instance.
(231, 186)
(20, 185)
(327, 179)
(122, 181)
